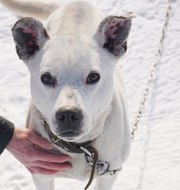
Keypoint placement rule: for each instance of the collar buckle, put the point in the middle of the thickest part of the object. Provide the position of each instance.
(86, 151)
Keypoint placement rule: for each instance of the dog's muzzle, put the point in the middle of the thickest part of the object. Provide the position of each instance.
(69, 122)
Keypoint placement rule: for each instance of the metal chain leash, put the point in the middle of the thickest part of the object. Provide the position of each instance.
(152, 75)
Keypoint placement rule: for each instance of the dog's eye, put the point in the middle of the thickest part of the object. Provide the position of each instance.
(48, 80)
(93, 78)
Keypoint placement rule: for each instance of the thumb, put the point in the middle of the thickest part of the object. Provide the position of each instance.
(38, 140)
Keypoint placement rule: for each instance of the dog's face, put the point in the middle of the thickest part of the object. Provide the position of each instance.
(71, 83)
(72, 77)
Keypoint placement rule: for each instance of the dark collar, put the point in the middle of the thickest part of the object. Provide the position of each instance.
(67, 146)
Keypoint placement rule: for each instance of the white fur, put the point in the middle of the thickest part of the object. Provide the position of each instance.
(38, 9)
(70, 54)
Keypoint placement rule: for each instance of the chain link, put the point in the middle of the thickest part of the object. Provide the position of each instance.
(152, 75)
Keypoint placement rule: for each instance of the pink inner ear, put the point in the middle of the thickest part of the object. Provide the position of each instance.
(33, 34)
(30, 31)
(110, 32)
(112, 27)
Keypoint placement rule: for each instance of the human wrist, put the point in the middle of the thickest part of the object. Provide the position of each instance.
(6, 133)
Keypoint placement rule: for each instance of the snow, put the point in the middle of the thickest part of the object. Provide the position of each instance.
(154, 161)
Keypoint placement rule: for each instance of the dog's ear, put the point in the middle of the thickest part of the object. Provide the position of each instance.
(113, 32)
(29, 36)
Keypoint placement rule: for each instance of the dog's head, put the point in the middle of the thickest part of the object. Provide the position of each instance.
(72, 76)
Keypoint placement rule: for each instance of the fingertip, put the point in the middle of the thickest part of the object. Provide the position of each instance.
(67, 157)
(69, 166)
(49, 145)
(64, 158)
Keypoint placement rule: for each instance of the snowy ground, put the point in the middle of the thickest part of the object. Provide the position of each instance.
(154, 162)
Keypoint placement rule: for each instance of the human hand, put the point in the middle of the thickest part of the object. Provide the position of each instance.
(37, 160)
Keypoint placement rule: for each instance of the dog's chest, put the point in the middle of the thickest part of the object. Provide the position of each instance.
(80, 168)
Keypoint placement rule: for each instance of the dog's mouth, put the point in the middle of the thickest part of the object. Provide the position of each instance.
(69, 134)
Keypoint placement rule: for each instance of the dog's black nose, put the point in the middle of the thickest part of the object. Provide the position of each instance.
(69, 116)
(69, 122)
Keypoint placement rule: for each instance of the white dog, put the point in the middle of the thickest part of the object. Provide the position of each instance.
(78, 98)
